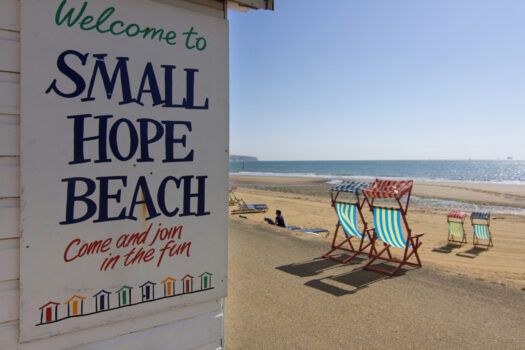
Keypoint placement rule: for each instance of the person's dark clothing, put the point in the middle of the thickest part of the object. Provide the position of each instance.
(279, 221)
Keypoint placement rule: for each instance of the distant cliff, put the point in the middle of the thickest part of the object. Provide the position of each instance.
(235, 158)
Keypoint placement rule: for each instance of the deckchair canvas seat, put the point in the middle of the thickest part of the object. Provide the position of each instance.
(233, 200)
(244, 208)
(349, 215)
(456, 229)
(391, 226)
(480, 224)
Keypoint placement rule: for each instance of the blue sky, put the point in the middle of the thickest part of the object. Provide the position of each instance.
(378, 79)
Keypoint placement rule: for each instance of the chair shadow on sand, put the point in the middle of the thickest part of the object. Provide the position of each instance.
(447, 248)
(349, 282)
(315, 267)
(472, 252)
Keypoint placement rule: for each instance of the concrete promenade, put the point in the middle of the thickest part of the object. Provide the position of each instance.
(282, 296)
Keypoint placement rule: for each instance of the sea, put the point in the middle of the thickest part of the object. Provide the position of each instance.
(461, 171)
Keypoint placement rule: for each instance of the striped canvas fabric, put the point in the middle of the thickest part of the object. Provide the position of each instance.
(388, 188)
(354, 187)
(480, 215)
(347, 214)
(481, 231)
(456, 214)
(455, 229)
(387, 223)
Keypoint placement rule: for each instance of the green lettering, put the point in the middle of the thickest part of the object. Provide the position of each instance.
(170, 36)
(86, 20)
(103, 18)
(70, 22)
(113, 24)
(132, 25)
(149, 30)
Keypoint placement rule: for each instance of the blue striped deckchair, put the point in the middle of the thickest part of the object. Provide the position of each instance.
(480, 224)
(349, 215)
(244, 208)
(456, 229)
(389, 224)
(388, 229)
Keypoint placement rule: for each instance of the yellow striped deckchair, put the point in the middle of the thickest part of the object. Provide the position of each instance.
(456, 229)
(480, 224)
(388, 229)
(350, 218)
(347, 215)
(390, 224)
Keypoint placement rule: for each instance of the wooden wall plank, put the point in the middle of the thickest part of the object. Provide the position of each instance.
(9, 51)
(10, 15)
(9, 297)
(9, 177)
(9, 135)
(9, 218)
(9, 259)
(9, 93)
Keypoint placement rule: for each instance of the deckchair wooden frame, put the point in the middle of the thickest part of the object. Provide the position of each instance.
(244, 208)
(232, 200)
(459, 218)
(397, 190)
(365, 234)
(481, 219)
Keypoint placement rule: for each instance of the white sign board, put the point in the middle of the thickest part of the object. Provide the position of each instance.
(124, 161)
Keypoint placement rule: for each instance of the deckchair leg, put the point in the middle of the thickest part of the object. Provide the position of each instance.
(414, 243)
(355, 252)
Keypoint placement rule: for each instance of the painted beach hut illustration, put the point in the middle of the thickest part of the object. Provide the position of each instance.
(48, 312)
(148, 290)
(169, 286)
(187, 284)
(205, 280)
(75, 306)
(124, 296)
(102, 300)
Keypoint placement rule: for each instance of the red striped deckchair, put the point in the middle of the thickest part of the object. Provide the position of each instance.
(480, 224)
(350, 217)
(456, 230)
(391, 226)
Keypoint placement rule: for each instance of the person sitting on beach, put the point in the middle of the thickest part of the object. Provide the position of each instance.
(279, 220)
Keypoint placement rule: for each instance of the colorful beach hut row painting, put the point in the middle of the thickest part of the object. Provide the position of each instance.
(75, 304)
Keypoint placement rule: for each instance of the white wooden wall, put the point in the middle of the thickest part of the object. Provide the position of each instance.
(196, 327)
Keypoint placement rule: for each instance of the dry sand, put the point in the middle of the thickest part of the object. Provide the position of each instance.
(282, 296)
(502, 264)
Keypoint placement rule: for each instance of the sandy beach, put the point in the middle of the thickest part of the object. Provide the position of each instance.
(281, 295)
(305, 202)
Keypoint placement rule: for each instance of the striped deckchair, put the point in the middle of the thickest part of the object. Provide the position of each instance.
(349, 215)
(391, 226)
(244, 208)
(480, 224)
(456, 230)
(233, 200)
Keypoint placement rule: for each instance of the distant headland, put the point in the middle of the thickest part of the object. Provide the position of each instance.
(235, 158)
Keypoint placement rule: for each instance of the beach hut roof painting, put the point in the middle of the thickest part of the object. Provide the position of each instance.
(205, 279)
(48, 312)
(102, 300)
(75, 304)
(124, 295)
(187, 284)
(169, 286)
(148, 291)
